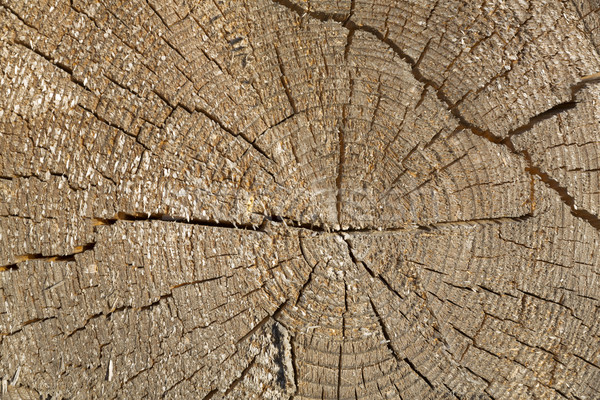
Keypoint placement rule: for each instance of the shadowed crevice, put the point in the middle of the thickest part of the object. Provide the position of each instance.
(340, 172)
(388, 342)
(384, 332)
(371, 272)
(285, 83)
(240, 135)
(121, 216)
(562, 191)
(59, 257)
(416, 371)
(310, 275)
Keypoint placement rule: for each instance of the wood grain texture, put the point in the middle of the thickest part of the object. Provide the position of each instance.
(273, 199)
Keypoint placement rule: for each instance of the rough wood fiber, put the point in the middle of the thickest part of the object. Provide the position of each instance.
(275, 199)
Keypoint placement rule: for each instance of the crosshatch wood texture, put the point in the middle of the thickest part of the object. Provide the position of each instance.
(273, 199)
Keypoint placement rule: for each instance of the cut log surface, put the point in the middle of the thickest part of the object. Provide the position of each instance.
(324, 199)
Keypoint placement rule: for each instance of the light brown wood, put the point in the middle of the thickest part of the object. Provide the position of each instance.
(272, 199)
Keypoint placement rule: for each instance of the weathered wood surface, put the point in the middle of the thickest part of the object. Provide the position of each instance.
(309, 199)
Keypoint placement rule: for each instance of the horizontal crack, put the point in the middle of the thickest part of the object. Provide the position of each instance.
(63, 257)
(121, 216)
(262, 227)
(117, 310)
(443, 224)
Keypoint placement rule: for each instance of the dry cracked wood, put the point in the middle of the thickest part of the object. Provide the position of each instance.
(278, 199)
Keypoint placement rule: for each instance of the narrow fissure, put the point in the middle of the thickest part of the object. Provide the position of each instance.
(121, 216)
(276, 219)
(236, 381)
(339, 380)
(310, 275)
(210, 394)
(294, 363)
(340, 172)
(557, 109)
(342, 159)
(263, 322)
(384, 332)
(240, 135)
(416, 371)
(285, 83)
(370, 271)
(349, 39)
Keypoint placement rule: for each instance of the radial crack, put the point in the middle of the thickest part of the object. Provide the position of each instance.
(294, 363)
(342, 159)
(236, 381)
(566, 198)
(416, 371)
(310, 275)
(384, 332)
(263, 322)
(240, 135)
(116, 310)
(121, 216)
(285, 83)
(590, 218)
(339, 380)
(340, 172)
(370, 271)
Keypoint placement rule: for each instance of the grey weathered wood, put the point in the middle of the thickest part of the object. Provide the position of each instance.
(299, 199)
